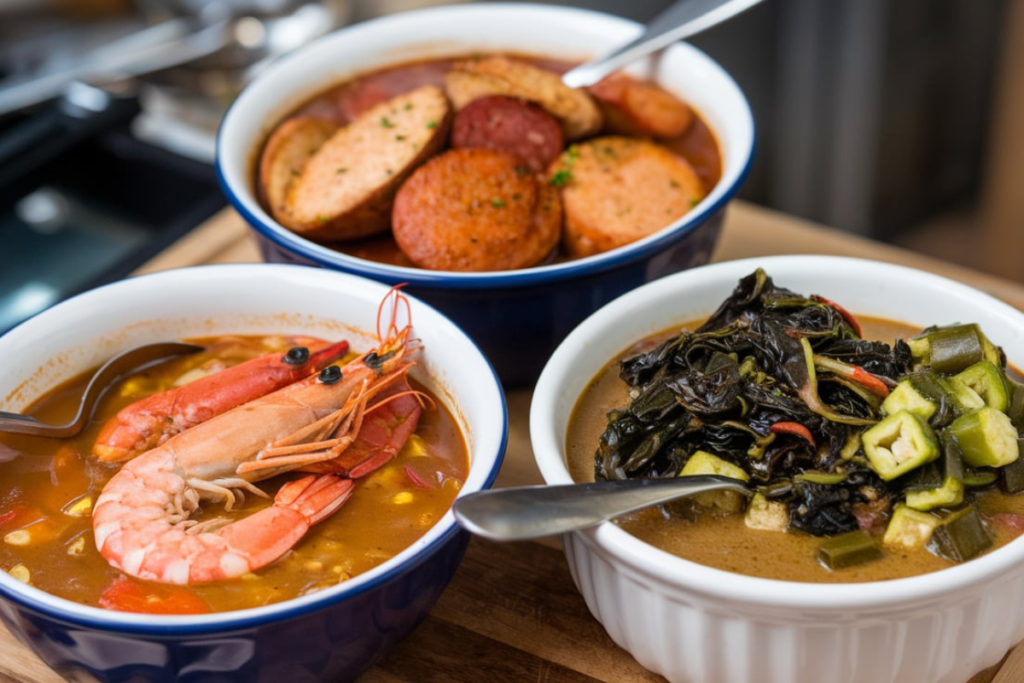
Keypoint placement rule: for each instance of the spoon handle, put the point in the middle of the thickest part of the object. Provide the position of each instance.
(525, 512)
(121, 364)
(679, 20)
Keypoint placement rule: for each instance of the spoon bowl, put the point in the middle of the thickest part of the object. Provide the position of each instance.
(525, 512)
(115, 368)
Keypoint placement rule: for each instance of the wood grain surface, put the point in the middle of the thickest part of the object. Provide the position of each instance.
(513, 608)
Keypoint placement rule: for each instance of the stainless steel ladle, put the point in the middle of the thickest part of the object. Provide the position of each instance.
(118, 366)
(525, 512)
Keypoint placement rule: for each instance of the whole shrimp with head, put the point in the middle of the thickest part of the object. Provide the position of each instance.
(142, 518)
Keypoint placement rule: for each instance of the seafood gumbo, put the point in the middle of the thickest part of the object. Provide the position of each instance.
(65, 504)
(875, 450)
(485, 163)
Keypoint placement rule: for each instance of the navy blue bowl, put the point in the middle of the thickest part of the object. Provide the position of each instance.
(329, 635)
(516, 317)
(333, 642)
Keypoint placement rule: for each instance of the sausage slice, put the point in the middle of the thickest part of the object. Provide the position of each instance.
(520, 128)
(640, 108)
(476, 209)
(347, 187)
(616, 190)
(284, 156)
(474, 78)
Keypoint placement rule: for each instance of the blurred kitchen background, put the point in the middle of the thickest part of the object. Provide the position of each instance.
(900, 120)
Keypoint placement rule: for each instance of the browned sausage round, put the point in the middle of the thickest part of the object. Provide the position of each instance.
(506, 124)
(476, 209)
(640, 108)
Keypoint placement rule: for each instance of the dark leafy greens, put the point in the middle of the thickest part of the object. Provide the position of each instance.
(870, 444)
(750, 366)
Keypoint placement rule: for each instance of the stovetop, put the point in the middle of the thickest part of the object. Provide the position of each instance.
(84, 202)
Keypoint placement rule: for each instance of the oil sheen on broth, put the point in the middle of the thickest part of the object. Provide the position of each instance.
(41, 480)
(724, 541)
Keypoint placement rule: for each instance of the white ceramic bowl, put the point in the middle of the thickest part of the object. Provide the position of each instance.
(328, 635)
(696, 624)
(517, 317)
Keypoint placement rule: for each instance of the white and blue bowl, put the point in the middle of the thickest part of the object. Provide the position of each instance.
(330, 635)
(517, 317)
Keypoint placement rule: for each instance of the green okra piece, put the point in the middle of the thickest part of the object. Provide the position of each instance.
(848, 550)
(986, 437)
(898, 444)
(944, 486)
(960, 536)
(988, 381)
(954, 348)
(1011, 477)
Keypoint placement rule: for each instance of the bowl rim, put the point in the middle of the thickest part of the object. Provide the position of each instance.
(419, 551)
(644, 560)
(244, 202)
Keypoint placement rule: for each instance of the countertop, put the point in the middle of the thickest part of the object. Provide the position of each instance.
(512, 608)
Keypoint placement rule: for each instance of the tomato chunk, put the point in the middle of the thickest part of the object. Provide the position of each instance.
(128, 595)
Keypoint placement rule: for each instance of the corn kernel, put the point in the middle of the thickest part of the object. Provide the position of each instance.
(402, 498)
(79, 508)
(414, 447)
(426, 519)
(249, 576)
(21, 573)
(77, 547)
(19, 537)
(314, 565)
(452, 485)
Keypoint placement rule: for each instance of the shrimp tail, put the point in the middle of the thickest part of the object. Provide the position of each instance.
(273, 531)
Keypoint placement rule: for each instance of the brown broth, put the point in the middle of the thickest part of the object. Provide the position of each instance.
(343, 102)
(40, 478)
(724, 541)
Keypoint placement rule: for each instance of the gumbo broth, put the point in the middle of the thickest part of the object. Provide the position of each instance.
(48, 486)
(724, 541)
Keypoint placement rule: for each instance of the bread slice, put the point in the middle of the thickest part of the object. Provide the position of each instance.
(347, 188)
(574, 108)
(616, 190)
(284, 156)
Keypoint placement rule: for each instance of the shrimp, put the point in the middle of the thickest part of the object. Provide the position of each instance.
(142, 518)
(151, 421)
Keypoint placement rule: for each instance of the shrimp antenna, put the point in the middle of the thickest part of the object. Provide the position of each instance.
(398, 300)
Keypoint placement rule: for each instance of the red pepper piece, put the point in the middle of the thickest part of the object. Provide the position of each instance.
(127, 595)
(847, 316)
(794, 428)
(869, 382)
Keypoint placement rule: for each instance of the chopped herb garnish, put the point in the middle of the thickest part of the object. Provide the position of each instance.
(431, 124)
(573, 153)
(560, 178)
(389, 171)
(399, 137)
(497, 203)
(673, 184)
(408, 106)
(386, 122)
(342, 170)
(516, 197)
(322, 219)
(694, 202)
(522, 171)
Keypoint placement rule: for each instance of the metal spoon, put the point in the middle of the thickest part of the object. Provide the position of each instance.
(525, 512)
(680, 20)
(113, 369)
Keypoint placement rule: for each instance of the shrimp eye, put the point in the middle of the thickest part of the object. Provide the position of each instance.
(297, 355)
(330, 374)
